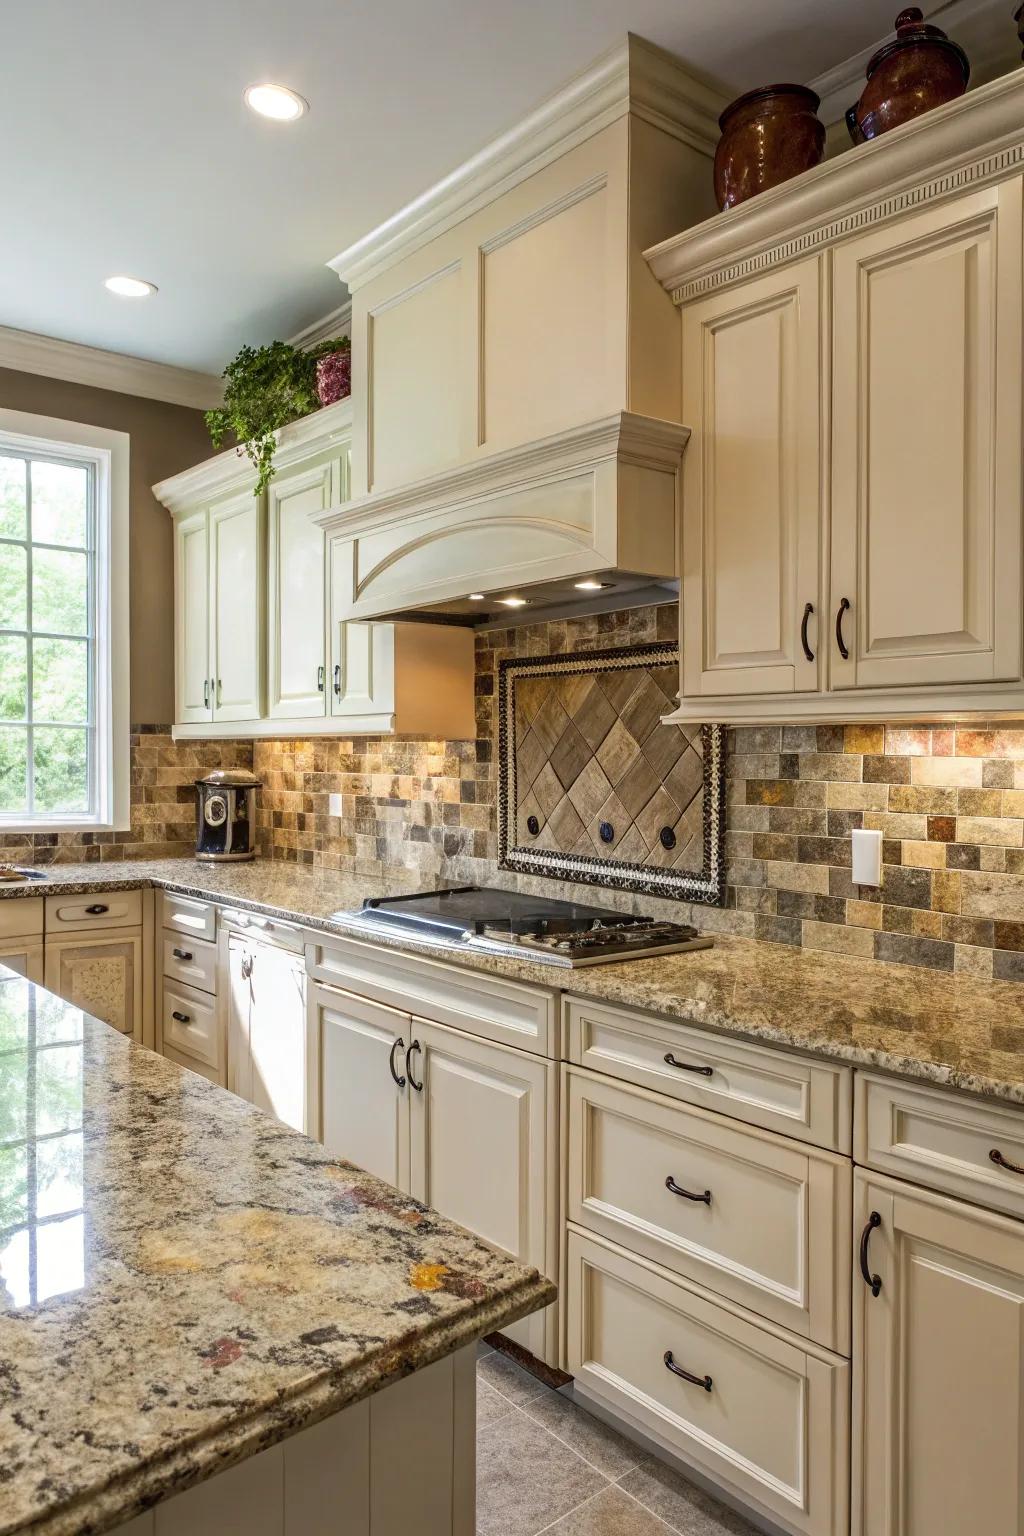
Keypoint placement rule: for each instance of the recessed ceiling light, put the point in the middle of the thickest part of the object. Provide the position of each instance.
(130, 287)
(591, 586)
(513, 602)
(275, 101)
(476, 597)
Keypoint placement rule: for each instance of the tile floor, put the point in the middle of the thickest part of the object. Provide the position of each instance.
(544, 1464)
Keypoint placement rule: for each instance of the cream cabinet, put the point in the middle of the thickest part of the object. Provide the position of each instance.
(265, 998)
(938, 1365)
(364, 1115)
(218, 612)
(101, 973)
(852, 371)
(25, 957)
(193, 702)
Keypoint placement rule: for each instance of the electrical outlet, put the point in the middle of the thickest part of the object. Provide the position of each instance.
(334, 805)
(867, 857)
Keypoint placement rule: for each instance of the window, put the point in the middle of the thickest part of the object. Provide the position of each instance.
(63, 620)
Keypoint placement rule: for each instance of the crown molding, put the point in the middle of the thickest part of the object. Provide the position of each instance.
(635, 76)
(231, 470)
(968, 142)
(27, 352)
(337, 323)
(640, 441)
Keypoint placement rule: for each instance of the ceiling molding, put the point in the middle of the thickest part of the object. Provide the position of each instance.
(635, 76)
(28, 352)
(983, 28)
(337, 323)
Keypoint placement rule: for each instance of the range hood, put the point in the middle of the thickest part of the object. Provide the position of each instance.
(517, 531)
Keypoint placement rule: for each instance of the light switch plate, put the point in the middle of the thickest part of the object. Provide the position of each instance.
(867, 857)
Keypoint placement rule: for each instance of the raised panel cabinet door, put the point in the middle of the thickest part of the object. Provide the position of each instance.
(102, 976)
(752, 492)
(938, 1411)
(24, 957)
(277, 1035)
(926, 467)
(481, 1146)
(236, 588)
(298, 579)
(362, 655)
(194, 701)
(364, 1091)
(236, 980)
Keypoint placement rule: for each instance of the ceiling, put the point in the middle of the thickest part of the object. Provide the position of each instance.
(127, 147)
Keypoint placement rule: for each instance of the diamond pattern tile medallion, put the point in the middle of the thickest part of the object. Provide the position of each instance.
(616, 796)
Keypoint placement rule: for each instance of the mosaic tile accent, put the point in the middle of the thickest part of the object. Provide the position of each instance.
(592, 786)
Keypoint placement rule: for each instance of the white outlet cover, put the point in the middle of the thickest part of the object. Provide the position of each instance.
(334, 805)
(867, 857)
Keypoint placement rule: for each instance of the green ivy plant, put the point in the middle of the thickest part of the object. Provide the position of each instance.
(265, 388)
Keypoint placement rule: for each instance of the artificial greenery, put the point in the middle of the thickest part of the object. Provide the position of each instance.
(265, 388)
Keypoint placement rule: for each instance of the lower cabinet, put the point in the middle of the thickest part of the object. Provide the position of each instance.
(24, 956)
(938, 1364)
(266, 1030)
(461, 1123)
(102, 974)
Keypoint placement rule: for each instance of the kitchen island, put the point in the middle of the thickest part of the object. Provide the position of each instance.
(207, 1323)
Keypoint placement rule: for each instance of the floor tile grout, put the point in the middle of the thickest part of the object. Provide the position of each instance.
(575, 1509)
(562, 1441)
(646, 1507)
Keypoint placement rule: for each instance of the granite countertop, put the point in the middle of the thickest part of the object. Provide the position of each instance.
(954, 1031)
(184, 1281)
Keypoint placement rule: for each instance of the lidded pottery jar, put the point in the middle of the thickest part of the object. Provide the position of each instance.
(921, 68)
(768, 135)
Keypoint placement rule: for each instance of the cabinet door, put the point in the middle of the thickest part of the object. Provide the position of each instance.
(236, 981)
(296, 628)
(364, 1093)
(362, 654)
(752, 494)
(481, 1146)
(236, 595)
(24, 956)
(926, 524)
(194, 701)
(938, 1365)
(102, 975)
(277, 1035)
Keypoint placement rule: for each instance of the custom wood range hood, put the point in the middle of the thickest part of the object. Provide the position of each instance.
(516, 408)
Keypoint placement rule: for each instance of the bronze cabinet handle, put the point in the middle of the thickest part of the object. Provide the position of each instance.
(677, 1370)
(320, 679)
(97, 909)
(182, 954)
(874, 1282)
(808, 610)
(337, 680)
(206, 693)
(844, 604)
(686, 1066)
(677, 1189)
(182, 1018)
(1003, 1162)
(408, 1066)
(396, 1045)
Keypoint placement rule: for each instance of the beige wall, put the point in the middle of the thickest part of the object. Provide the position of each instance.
(164, 439)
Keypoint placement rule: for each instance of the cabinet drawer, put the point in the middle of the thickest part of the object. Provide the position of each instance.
(21, 917)
(193, 1064)
(190, 1025)
(444, 994)
(942, 1140)
(763, 1221)
(96, 909)
(774, 1425)
(796, 1095)
(192, 962)
(184, 914)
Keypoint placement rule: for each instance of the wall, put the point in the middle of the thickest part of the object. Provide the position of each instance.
(164, 439)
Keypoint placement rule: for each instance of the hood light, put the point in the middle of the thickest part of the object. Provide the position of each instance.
(591, 586)
(476, 597)
(513, 602)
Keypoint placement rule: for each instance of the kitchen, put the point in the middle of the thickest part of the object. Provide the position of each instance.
(514, 898)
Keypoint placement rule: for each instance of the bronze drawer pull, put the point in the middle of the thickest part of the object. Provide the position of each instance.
(396, 1045)
(844, 604)
(874, 1281)
(677, 1370)
(808, 610)
(998, 1158)
(677, 1189)
(182, 1018)
(685, 1066)
(97, 909)
(408, 1066)
(182, 954)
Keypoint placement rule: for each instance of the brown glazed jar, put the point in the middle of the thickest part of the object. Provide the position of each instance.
(768, 136)
(921, 68)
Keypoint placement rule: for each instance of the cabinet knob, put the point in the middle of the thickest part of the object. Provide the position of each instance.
(182, 1018)
(182, 954)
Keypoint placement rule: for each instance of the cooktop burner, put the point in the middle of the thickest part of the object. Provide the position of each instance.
(554, 932)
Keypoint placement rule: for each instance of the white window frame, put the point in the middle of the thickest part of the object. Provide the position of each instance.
(109, 454)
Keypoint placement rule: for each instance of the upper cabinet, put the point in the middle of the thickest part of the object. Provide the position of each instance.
(517, 409)
(852, 374)
(262, 647)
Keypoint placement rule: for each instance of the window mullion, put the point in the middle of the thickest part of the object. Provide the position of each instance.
(30, 763)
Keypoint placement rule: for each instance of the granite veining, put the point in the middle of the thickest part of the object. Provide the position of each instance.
(184, 1281)
(953, 1030)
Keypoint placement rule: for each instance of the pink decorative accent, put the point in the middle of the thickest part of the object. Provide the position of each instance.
(334, 377)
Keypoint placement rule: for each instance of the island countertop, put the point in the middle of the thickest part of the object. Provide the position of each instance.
(184, 1281)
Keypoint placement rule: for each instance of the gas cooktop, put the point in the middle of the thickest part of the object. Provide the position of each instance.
(565, 933)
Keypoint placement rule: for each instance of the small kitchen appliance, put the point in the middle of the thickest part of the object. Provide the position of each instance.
(562, 933)
(226, 815)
